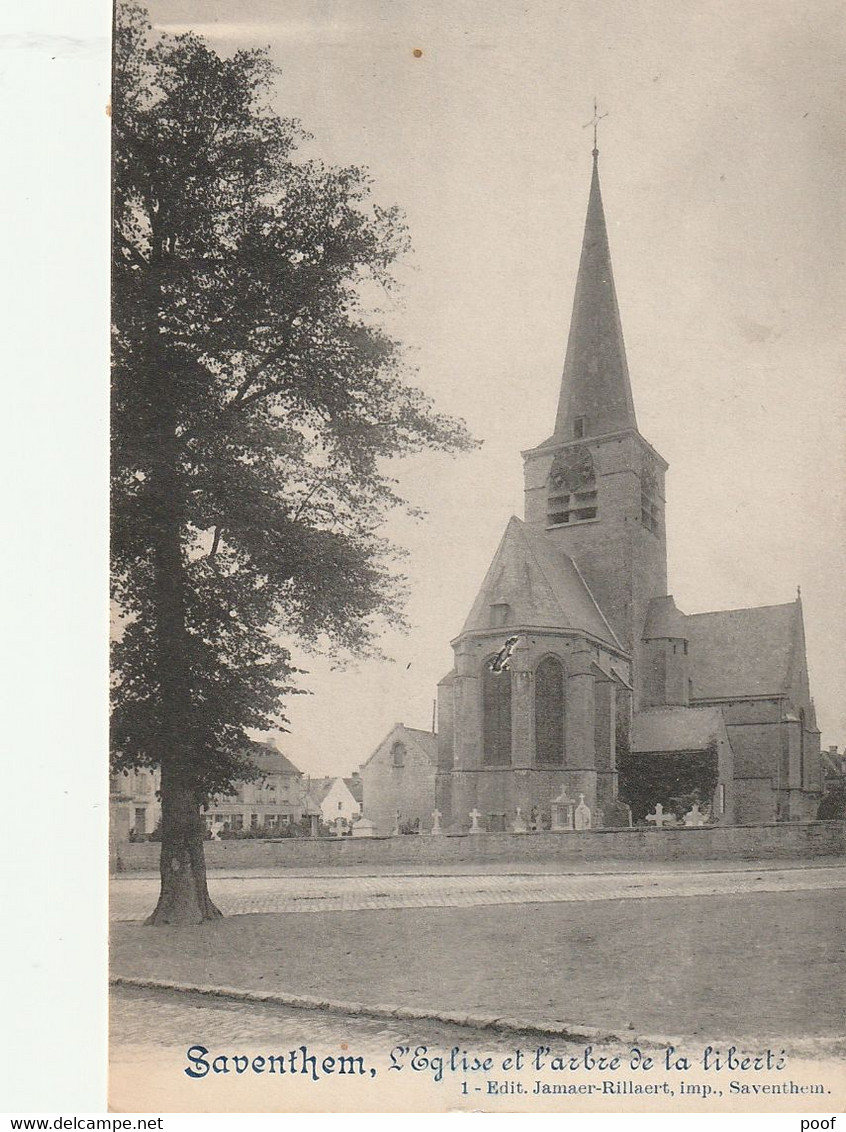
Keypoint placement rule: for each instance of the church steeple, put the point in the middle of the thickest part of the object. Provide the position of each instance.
(596, 394)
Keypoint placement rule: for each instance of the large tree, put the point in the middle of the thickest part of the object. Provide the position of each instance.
(255, 403)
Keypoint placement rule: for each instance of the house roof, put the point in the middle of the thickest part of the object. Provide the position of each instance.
(271, 761)
(317, 790)
(743, 652)
(356, 788)
(540, 584)
(676, 729)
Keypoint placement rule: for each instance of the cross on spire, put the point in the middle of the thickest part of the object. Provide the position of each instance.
(595, 120)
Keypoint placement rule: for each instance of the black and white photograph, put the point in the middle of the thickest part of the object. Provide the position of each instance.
(478, 710)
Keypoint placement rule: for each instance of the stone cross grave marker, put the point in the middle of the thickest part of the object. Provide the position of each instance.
(659, 818)
(519, 825)
(474, 816)
(582, 816)
(694, 816)
(436, 822)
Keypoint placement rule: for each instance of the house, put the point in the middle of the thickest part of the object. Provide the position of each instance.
(334, 799)
(399, 781)
(134, 808)
(273, 800)
(575, 670)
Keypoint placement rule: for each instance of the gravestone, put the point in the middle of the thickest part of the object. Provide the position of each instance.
(616, 815)
(694, 816)
(659, 818)
(582, 815)
(563, 812)
(474, 816)
(519, 825)
(436, 822)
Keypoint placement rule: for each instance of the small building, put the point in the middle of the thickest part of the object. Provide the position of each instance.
(399, 780)
(334, 799)
(134, 808)
(680, 756)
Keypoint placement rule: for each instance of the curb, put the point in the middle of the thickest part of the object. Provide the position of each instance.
(570, 1031)
(801, 1047)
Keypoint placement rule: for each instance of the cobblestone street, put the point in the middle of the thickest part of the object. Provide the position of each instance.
(133, 897)
(178, 1016)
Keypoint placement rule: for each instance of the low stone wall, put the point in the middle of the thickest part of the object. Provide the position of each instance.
(785, 840)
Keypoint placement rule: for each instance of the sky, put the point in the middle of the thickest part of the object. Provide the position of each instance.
(722, 168)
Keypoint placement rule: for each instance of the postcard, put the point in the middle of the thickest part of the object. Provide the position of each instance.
(477, 736)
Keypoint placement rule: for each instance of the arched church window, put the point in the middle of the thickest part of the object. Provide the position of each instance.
(496, 715)
(572, 488)
(549, 712)
(398, 754)
(650, 513)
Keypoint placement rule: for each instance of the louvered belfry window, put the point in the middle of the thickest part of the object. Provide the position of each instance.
(572, 488)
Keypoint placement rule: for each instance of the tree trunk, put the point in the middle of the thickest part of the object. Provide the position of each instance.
(184, 896)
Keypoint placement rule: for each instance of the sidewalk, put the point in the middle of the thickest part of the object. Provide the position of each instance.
(251, 893)
(768, 965)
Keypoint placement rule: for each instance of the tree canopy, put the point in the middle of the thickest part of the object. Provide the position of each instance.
(255, 403)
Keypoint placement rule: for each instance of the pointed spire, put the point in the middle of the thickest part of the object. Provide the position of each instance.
(596, 395)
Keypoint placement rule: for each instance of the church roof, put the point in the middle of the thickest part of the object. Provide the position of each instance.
(676, 729)
(743, 652)
(595, 384)
(541, 586)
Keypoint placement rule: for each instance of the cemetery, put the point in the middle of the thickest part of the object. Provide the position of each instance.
(572, 838)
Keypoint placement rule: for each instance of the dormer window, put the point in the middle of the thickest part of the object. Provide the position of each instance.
(499, 614)
(572, 488)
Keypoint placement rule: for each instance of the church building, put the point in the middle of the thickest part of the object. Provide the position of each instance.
(576, 672)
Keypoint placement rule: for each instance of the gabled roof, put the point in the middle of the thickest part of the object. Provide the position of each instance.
(744, 652)
(318, 788)
(541, 585)
(271, 761)
(425, 741)
(676, 729)
(355, 787)
(595, 384)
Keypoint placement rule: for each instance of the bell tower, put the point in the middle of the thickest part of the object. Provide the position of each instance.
(596, 486)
